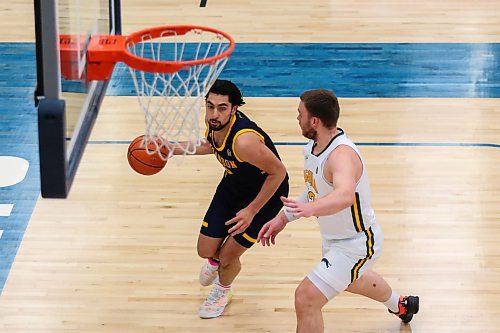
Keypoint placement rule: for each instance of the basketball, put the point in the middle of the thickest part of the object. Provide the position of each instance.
(144, 163)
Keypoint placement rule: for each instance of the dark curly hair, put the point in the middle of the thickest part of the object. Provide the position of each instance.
(227, 88)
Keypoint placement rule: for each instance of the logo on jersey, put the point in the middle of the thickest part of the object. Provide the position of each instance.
(228, 152)
(309, 179)
(327, 263)
(225, 163)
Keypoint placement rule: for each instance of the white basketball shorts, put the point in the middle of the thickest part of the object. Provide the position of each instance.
(345, 260)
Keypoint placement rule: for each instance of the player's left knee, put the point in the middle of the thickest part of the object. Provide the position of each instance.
(303, 299)
(226, 258)
(205, 253)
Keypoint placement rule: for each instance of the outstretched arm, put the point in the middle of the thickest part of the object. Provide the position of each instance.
(203, 149)
(271, 229)
(343, 169)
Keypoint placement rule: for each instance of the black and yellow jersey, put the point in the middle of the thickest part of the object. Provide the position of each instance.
(246, 176)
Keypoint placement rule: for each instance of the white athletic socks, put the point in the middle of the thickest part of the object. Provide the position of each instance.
(393, 302)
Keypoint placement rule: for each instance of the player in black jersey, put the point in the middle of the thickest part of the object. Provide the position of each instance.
(246, 198)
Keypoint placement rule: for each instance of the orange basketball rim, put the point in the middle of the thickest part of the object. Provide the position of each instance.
(104, 51)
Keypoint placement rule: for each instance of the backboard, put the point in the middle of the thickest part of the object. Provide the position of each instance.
(67, 103)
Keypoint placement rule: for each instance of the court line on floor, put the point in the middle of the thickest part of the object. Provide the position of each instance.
(5, 210)
(402, 144)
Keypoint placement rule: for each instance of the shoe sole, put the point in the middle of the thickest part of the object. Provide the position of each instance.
(206, 285)
(414, 303)
(212, 317)
(412, 308)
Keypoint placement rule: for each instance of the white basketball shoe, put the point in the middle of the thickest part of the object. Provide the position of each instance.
(216, 302)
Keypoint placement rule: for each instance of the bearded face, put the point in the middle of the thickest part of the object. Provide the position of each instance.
(216, 125)
(305, 122)
(218, 111)
(309, 133)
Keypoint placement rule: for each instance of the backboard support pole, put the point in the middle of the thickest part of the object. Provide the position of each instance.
(51, 136)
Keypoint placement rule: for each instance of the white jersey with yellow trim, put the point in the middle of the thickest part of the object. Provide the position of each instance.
(350, 221)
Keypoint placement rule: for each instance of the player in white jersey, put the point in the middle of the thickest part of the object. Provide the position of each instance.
(350, 221)
(338, 193)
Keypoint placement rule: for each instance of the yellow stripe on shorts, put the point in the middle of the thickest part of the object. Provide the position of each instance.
(248, 238)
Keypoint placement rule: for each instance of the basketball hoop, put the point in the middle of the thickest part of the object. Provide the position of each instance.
(172, 67)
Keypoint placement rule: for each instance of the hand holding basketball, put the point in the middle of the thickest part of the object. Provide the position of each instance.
(147, 160)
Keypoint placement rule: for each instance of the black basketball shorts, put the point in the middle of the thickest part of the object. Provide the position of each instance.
(224, 207)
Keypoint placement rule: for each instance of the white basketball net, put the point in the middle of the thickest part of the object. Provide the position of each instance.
(171, 101)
